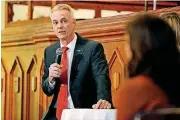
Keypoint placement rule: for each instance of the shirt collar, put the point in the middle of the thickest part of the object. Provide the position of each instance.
(72, 44)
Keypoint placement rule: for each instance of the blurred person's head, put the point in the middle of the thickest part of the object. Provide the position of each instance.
(154, 51)
(173, 20)
(63, 22)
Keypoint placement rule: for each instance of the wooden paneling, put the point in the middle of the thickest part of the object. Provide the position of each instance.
(98, 6)
(32, 91)
(3, 89)
(16, 90)
(30, 10)
(22, 61)
(45, 100)
(117, 68)
(122, 5)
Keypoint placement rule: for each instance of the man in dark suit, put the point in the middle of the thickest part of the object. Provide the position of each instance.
(88, 79)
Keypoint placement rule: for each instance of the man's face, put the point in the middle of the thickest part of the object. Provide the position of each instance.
(63, 24)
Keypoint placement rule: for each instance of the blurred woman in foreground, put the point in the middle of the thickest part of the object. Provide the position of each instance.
(153, 67)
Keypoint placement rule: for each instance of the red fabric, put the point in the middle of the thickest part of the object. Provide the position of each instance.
(62, 95)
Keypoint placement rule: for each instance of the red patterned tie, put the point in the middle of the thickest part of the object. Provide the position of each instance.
(63, 90)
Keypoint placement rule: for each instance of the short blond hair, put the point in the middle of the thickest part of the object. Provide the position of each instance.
(62, 7)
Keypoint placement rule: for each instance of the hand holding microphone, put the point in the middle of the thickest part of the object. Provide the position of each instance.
(55, 69)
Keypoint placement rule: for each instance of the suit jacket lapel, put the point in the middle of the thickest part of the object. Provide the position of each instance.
(76, 58)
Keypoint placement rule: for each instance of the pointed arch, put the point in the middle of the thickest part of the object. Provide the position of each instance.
(117, 68)
(16, 89)
(117, 71)
(32, 85)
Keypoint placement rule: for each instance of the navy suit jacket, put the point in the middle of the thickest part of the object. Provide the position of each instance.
(89, 78)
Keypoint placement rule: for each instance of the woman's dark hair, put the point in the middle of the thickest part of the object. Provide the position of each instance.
(154, 52)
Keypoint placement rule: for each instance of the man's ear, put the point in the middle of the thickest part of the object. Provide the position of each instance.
(74, 21)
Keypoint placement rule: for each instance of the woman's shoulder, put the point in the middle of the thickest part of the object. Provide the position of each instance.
(136, 85)
(139, 80)
(144, 84)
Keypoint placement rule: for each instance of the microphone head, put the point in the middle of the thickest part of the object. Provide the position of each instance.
(59, 51)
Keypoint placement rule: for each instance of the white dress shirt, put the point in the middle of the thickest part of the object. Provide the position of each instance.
(70, 54)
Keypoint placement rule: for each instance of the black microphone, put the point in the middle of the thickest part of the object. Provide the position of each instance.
(58, 53)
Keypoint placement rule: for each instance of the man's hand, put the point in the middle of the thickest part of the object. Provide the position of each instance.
(55, 71)
(102, 104)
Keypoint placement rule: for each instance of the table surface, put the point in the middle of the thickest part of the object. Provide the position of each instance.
(89, 114)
